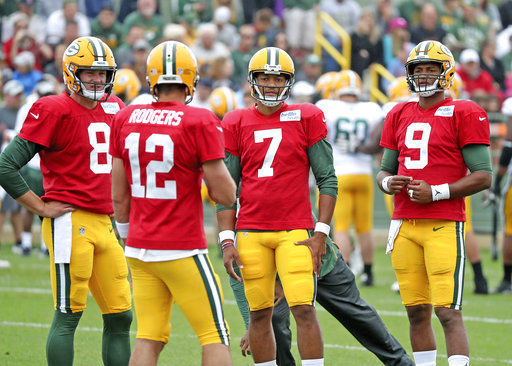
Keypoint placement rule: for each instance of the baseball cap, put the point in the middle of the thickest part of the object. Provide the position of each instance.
(13, 87)
(221, 15)
(312, 59)
(141, 44)
(469, 55)
(303, 88)
(398, 22)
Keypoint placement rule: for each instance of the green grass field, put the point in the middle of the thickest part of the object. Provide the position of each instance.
(26, 314)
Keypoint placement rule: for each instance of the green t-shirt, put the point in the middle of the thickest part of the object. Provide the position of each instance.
(153, 27)
(111, 36)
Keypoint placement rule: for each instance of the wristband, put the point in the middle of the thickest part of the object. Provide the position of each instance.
(227, 243)
(122, 229)
(226, 234)
(440, 192)
(385, 182)
(323, 228)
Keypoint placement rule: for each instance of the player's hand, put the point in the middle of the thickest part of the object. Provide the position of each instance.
(316, 245)
(419, 191)
(244, 344)
(397, 183)
(56, 209)
(278, 293)
(229, 255)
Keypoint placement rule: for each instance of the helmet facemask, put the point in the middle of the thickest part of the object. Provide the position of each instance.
(80, 88)
(258, 90)
(429, 88)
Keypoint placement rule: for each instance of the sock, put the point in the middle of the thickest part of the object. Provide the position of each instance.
(507, 272)
(26, 240)
(116, 338)
(477, 269)
(458, 360)
(18, 243)
(268, 363)
(315, 362)
(425, 358)
(368, 269)
(59, 345)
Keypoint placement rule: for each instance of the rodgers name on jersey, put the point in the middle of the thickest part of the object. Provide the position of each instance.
(156, 116)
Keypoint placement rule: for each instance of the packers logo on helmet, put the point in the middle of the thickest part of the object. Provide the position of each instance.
(348, 82)
(88, 53)
(274, 61)
(430, 52)
(172, 62)
(222, 100)
(398, 90)
(126, 85)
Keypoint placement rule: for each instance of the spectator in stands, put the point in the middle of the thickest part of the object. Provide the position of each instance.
(395, 41)
(36, 23)
(23, 40)
(124, 53)
(146, 17)
(386, 12)
(24, 71)
(235, 7)
(472, 75)
(207, 47)
(491, 12)
(506, 60)
(57, 20)
(175, 32)
(345, 12)
(226, 32)
(311, 70)
(202, 94)
(450, 13)
(505, 10)
(468, 31)
(107, 28)
(265, 30)
(199, 10)
(55, 68)
(220, 72)
(141, 50)
(429, 27)
(242, 55)
(300, 22)
(410, 10)
(366, 43)
(251, 7)
(491, 64)
(70, 32)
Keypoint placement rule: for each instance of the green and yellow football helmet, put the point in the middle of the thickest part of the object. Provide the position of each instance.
(425, 52)
(274, 61)
(222, 100)
(126, 85)
(88, 53)
(172, 62)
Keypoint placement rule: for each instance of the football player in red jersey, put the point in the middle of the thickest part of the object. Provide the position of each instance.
(270, 148)
(71, 134)
(161, 152)
(429, 146)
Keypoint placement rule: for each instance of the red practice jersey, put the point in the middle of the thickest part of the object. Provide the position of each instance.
(430, 145)
(163, 146)
(274, 164)
(75, 162)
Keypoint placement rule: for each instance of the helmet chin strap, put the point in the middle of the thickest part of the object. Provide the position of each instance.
(93, 95)
(271, 103)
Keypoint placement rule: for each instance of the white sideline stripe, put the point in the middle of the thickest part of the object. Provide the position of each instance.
(338, 346)
(233, 302)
